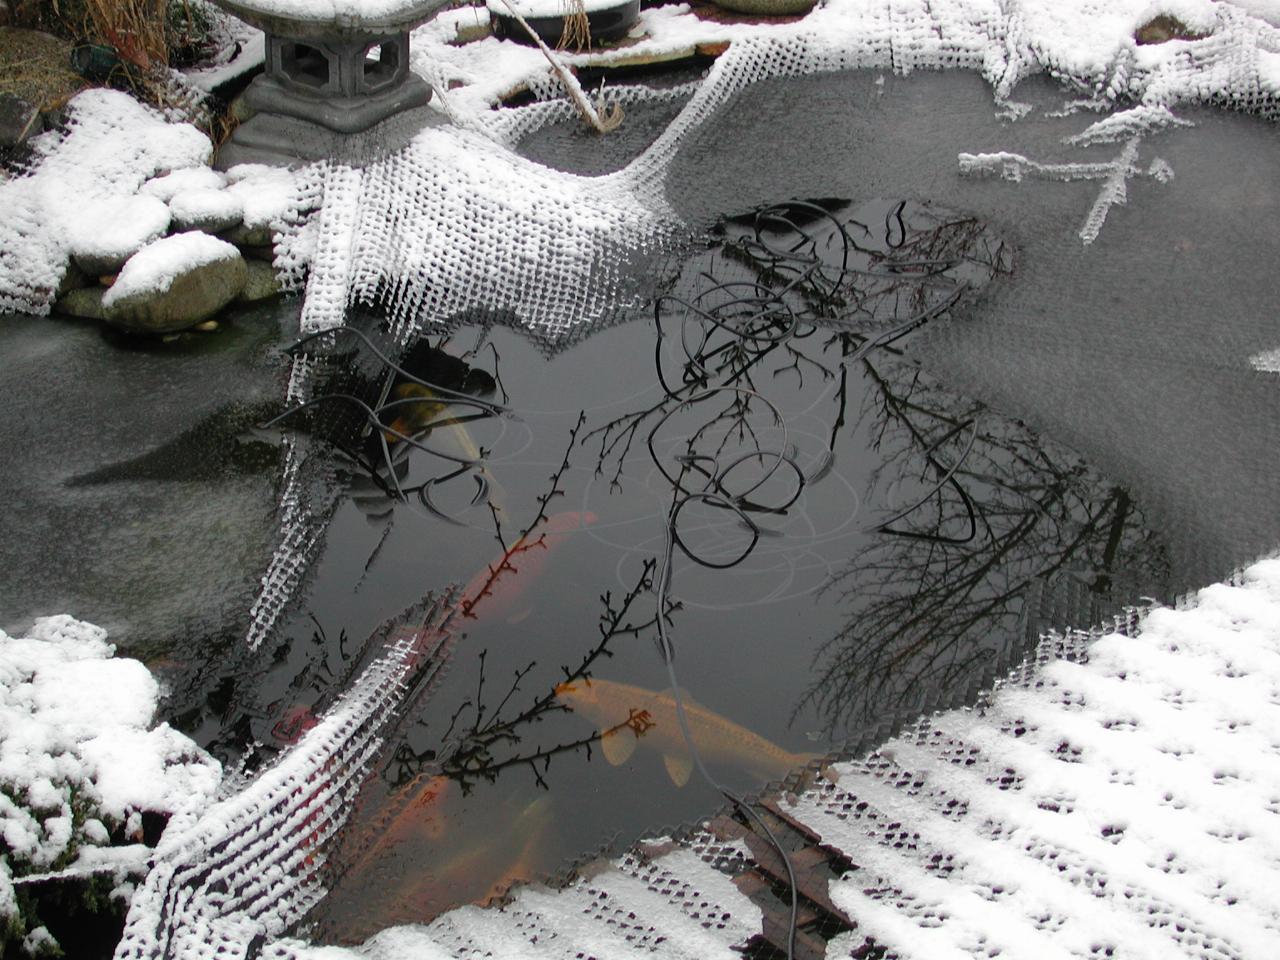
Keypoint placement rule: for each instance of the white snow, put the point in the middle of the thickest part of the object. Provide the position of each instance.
(267, 194)
(154, 268)
(1195, 781)
(1124, 801)
(114, 145)
(40, 942)
(168, 185)
(1268, 10)
(115, 228)
(242, 48)
(339, 11)
(1267, 361)
(204, 206)
(75, 728)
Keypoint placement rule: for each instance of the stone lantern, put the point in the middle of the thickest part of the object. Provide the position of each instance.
(337, 81)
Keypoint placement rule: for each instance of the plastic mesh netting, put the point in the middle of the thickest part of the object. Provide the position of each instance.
(252, 865)
(1117, 795)
(457, 224)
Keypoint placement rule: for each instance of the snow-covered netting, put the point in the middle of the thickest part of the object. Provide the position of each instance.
(1120, 794)
(1119, 797)
(252, 865)
(458, 223)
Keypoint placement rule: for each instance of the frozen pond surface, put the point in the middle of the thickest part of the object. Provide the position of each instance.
(137, 498)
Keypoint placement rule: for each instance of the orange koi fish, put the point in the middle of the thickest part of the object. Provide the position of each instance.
(628, 715)
(297, 720)
(460, 866)
(518, 567)
(422, 817)
(412, 418)
(476, 874)
(513, 571)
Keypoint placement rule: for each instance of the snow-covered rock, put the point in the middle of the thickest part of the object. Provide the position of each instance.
(109, 231)
(209, 210)
(268, 195)
(175, 283)
(113, 145)
(168, 185)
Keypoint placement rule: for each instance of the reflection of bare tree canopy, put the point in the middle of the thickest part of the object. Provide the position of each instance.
(974, 510)
(932, 598)
(748, 312)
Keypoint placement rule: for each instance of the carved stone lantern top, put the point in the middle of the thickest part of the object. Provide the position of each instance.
(314, 18)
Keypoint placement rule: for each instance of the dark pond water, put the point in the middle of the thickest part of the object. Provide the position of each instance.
(855, 542)
(1071, 428)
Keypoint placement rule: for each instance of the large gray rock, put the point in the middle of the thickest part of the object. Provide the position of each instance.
(261, 283)
(175, 283)
(86, 303)
(246, 236)
(73, 278)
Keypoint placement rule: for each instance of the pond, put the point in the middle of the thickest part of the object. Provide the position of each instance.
(880, 423)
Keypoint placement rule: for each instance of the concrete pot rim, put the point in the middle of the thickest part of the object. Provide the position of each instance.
(394, 16)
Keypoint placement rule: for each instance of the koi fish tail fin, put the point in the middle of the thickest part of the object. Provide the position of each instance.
(679, 767)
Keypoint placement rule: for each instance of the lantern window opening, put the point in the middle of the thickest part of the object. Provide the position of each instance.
(381, 64)
(306, 65)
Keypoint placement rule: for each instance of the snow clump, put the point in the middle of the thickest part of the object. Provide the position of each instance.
(111, 230)
(79, 758)
(113, 145)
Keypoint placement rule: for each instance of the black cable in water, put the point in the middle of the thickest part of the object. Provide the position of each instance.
(713, 493)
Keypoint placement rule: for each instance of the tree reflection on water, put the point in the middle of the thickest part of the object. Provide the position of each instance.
(934, 598)
(977, 517)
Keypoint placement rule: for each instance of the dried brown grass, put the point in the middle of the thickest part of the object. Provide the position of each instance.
(576, 34)
(138, 29)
